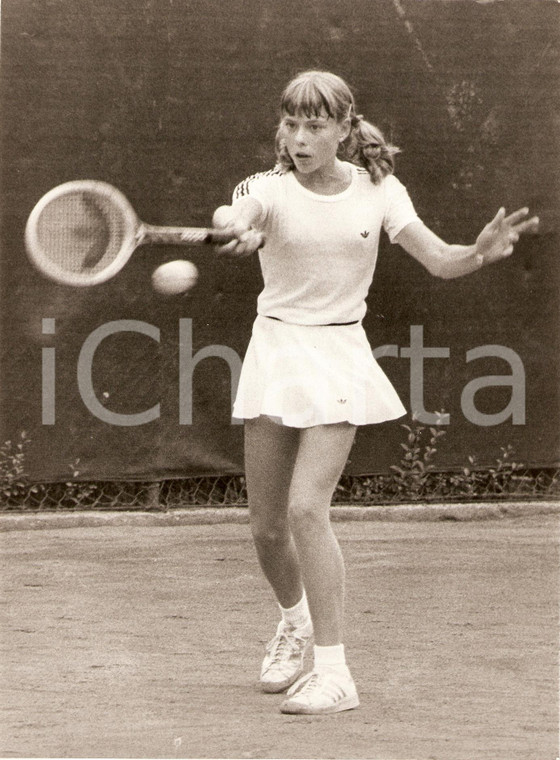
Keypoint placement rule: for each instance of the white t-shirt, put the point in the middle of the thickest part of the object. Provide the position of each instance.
(321, 250)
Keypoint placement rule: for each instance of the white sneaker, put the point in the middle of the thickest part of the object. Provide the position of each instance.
(283, 662)
(319, 693)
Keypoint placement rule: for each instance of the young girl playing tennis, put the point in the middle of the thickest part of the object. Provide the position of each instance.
(309, 377)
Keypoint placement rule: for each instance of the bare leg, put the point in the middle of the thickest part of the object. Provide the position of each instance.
(322, 453)
(270, 453)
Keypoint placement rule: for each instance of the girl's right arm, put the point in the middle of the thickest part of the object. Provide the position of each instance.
(239, 219)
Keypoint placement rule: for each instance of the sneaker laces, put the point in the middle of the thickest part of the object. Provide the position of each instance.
(282, 651)
(281, 643)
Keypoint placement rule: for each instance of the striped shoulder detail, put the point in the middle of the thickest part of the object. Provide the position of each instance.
(243, 188)
(361, 170)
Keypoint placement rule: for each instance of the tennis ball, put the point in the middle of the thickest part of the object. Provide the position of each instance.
(175, 277)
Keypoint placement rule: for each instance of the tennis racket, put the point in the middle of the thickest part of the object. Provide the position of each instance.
(83, 232)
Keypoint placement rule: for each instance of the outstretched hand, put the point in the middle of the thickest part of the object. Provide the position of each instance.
(497, 239)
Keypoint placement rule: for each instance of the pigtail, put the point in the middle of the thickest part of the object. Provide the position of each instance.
(366, 146)
(284, 161)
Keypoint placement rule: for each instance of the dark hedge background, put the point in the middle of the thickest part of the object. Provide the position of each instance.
(174, 102)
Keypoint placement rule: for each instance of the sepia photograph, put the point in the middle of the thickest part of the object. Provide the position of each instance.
(280, 379)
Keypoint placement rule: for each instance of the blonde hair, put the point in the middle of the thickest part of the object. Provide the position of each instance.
(312, 93)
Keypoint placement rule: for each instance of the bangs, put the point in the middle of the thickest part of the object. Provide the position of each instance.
(307, 97)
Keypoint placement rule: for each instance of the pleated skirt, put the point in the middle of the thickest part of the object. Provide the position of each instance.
(306, 375)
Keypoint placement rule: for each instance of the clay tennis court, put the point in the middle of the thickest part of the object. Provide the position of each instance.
(136, 641)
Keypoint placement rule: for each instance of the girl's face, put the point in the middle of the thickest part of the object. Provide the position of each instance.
(312, 141)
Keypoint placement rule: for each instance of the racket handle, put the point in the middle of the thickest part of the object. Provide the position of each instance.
(149, 234)
(219, 236)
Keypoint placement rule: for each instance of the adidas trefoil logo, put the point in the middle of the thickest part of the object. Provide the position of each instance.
(365, 233)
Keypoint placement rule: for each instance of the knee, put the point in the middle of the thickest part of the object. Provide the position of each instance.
(270, 537)
(307, 516)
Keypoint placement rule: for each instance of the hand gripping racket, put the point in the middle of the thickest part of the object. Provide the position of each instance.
(83, 232)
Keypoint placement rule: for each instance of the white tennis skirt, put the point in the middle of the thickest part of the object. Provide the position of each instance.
(306, 375)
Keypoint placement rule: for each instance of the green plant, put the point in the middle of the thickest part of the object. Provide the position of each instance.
(362, 489)
(502, 477)
(13, 478)
(469, 482)
(474, 481)
(411, 475)
(78, 492)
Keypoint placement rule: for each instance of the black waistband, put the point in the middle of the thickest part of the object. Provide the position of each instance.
(328, 324)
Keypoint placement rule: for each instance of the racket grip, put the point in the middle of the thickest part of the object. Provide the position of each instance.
(155, 235)
(219, 237)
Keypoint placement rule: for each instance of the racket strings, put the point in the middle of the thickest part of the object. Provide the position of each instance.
(81, 232)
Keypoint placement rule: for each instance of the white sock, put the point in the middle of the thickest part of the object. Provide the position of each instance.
(297, 616)
(330, 658)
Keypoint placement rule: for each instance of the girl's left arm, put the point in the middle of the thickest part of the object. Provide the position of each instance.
(495, 242)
